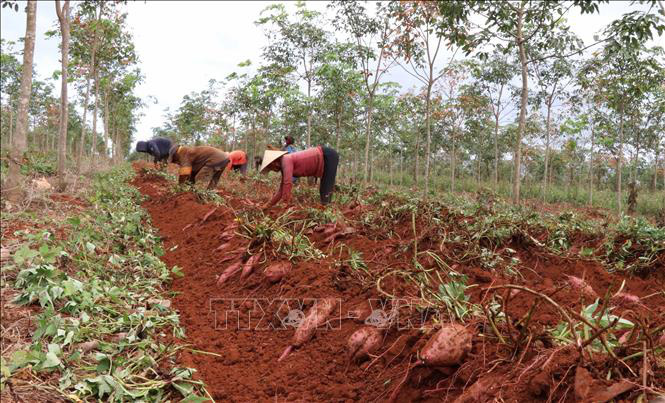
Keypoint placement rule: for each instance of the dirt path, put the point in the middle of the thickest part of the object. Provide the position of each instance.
(244, 366)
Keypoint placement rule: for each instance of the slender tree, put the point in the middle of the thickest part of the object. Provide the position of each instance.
(419, 43)
(85, 48)
(63, 16)
(493, 77)
(368, 32)
(19, 143)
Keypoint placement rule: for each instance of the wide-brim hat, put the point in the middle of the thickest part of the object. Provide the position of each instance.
(269, 156)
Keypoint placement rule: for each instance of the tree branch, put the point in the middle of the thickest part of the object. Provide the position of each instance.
(413, 74)
(569, 54)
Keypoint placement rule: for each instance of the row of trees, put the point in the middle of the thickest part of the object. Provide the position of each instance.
(526, 104)
(98, 61)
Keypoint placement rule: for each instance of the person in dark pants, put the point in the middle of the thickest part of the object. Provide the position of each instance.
(158, 147)
(257, 162)
(193, 159)
(319, 162)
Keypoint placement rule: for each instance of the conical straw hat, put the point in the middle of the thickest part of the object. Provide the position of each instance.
(269, 156)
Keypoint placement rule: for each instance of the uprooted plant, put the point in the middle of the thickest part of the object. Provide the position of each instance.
(284, 235)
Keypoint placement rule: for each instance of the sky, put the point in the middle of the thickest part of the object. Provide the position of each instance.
(182, 45)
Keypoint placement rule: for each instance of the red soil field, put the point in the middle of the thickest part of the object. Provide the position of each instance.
(244, 366)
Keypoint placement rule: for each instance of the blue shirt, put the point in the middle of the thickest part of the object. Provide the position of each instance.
(290, 149)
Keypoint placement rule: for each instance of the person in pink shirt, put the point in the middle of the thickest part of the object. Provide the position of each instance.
(319, 162)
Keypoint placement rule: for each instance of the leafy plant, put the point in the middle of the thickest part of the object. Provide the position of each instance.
(93, 289)
(562, 332)
(452, 294)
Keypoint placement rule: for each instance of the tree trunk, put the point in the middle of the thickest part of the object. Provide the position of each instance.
(118, 146)
(106, 118)
(253, 153)
(417, 158)
(355, 166)
(496, 150)
(401, 170)
(309, 113)
(478, 172)
(591, 166)
(91, 69)
(11, 124)
(370, 106)
(428, 129)
(390, 168)
(637, 154)
(497, 114)
(372, 166)
(93, 148)
(338, 128)
(83, 126)
(452, 164)
(63, 17)
(12, 187)
(619, 157)
(654, 181)
(547, 144)
(523, 101)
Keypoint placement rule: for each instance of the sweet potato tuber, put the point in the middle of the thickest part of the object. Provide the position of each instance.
(363, 342)
(317, 316)
(626, 300)
(249, 266)
(223, 246)
(231, 255)
(275, 272)
(339, 234)
(449, 346)
(582, 286)
(229, 272)
(208, 214)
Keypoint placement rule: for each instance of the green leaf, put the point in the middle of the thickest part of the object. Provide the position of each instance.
(4, 371)
(184, 387)
(90, 247)
(74, 221)
(104, 365)
(21, 358)
(24, 254)
(52, 359)
(194, 398)
(177, 272)
(115, 260)
(105, 385)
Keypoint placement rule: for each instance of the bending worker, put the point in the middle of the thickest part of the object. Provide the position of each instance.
(158, 147)
(193, 159)
(319, 162)
(238, 162)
